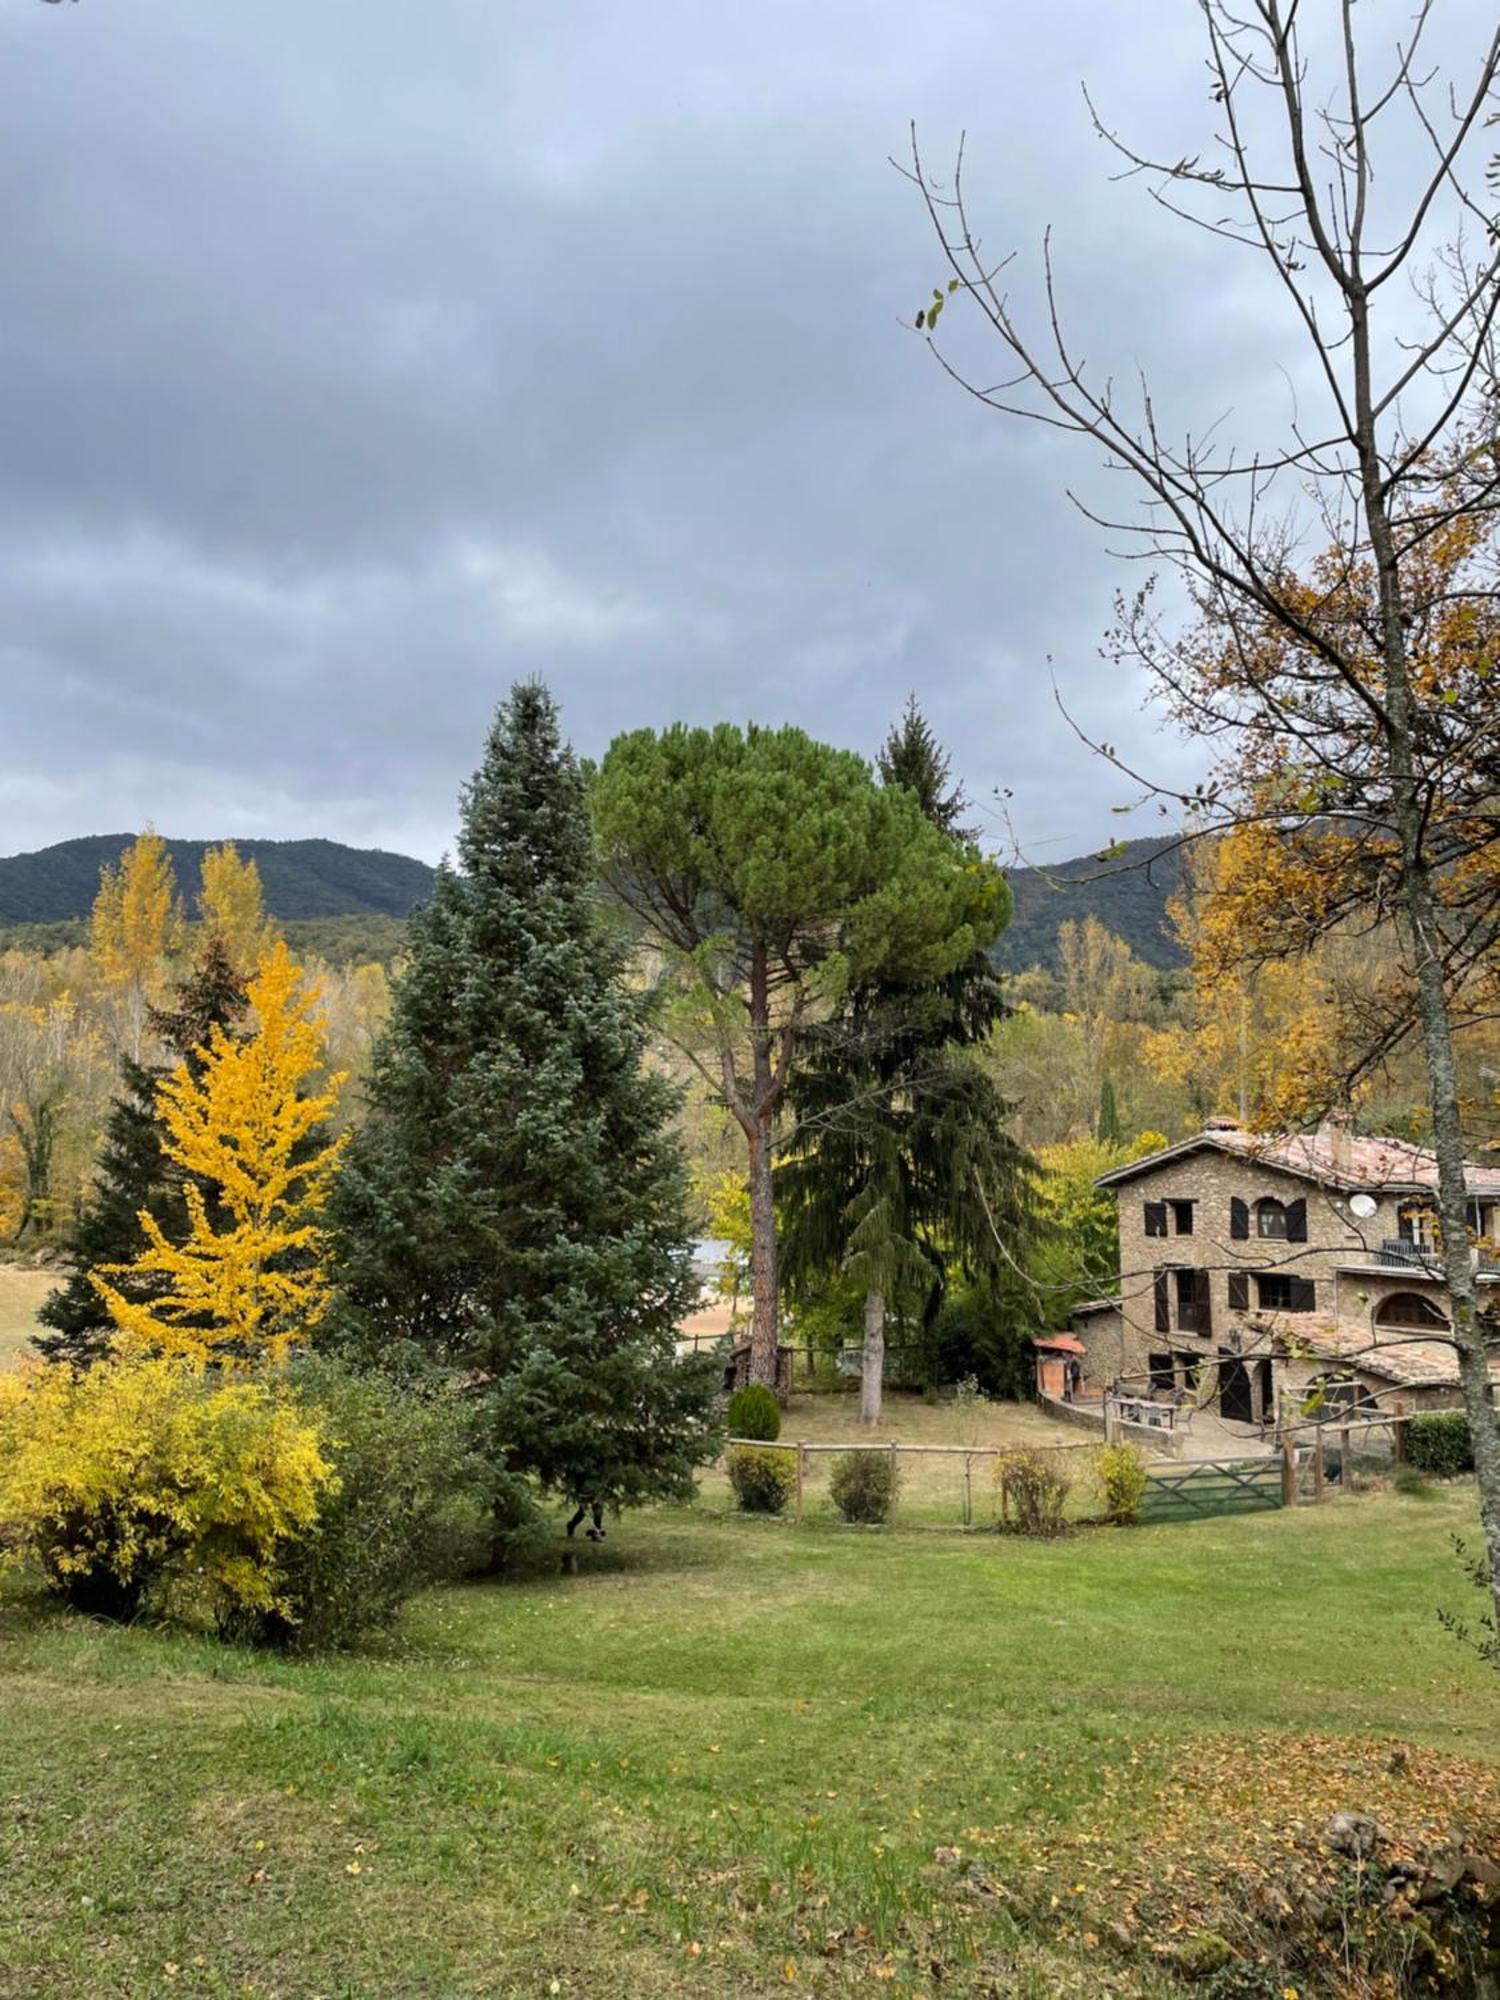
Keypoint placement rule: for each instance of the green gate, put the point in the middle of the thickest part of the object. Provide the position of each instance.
(1200, 1490)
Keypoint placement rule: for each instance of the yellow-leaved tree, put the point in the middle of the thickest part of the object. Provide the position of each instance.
(135, 926)
(248, 1126)
(231, 906)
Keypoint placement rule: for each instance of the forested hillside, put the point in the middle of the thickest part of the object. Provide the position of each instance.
(1128, 894)
(300, 878)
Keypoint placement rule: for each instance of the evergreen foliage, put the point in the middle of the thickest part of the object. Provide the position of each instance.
(754, 1412)
(514, 1206)
(900, 1166)
(912, 757)
(134, 1170)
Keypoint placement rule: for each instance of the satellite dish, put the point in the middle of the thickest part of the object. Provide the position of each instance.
(1362, 1205)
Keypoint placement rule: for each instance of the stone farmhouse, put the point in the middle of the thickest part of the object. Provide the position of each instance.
(1264, 1268)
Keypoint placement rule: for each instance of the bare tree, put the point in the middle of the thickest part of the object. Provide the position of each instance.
(1342, 577)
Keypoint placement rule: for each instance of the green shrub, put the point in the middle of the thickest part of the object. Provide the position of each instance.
(1439, 1443)
(414, 1505)
(754, 1413)
(1036, 1485)
(764, 1479)
(863, 1486)
(1119, 1476)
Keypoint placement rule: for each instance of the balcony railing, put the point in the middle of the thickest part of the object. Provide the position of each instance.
(1401, 1255)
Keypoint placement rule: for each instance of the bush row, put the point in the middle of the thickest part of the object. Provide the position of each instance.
(863, 1485)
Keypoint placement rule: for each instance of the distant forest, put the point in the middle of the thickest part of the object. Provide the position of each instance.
(1127, 893)
(300, 879)
(348, 904)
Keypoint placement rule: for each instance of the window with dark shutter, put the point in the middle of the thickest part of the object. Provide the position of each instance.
(1239, 1291)
(1296, 1222)
(1156, 1218)
(1239, 1219)
(1304, 1298)
(1182, 1217)
(1163, 1308)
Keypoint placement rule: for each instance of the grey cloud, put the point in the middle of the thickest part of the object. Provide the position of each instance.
(358, 359)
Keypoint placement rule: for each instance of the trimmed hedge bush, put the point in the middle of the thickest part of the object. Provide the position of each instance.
(763, 1480)
(754, 1413)
(1439, 1443)
(863, 1486)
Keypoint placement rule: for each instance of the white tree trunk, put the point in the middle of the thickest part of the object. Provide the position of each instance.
(872, 1363)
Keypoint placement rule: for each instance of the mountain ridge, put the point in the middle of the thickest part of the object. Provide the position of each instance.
(320, 879)
(299, 878)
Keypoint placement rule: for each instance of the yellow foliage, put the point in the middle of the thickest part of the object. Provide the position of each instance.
(146, 1470)
(137, 920)
(252, 1288)
(230, 905)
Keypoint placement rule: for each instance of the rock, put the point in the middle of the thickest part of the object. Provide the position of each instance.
(1354, 1834)
(946, 1857)
(1442, 1871)
(1483, 1873)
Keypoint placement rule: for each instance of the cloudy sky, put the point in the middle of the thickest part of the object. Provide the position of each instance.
(359, 359)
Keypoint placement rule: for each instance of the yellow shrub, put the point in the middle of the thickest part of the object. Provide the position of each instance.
(146, 1474)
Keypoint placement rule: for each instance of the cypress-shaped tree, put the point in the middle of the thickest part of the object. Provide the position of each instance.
(514, 1206)
(912, 757)
(134, 1172)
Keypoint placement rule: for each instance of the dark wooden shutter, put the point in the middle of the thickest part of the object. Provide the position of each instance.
(1239, 1219)
(1163, 1308)
(1296, 1222)
(1304, 1296)
(1239, 1291)
(1156, 1218)
(1202, 1302)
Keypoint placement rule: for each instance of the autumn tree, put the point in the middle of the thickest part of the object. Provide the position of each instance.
(767, 872)
(231, 906)
(514, 1207)
(135, 927)
(252, 1285)
(134, 1172)
(49, 1056)
(1341, 575)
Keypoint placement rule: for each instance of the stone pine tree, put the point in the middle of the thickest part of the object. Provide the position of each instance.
(514, 1206)
(900, 1170)
(134, 1171)
(768, 873)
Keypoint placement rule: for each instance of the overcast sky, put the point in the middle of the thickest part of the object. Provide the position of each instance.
(359, 359)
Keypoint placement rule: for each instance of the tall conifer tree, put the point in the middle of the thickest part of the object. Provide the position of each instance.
(513, 1207)
(899, 1168)
(134, 1172)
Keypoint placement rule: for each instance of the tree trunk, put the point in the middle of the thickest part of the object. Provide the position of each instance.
(763, 1328)
(872, 1361)
(1422, 922)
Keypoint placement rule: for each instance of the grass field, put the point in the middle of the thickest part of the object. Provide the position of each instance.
(725, 1758)
(21, 1293)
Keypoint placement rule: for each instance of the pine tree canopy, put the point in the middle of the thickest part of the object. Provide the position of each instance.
(134, 1172)
(514, 1206)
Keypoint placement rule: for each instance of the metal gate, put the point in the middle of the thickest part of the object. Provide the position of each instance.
(1200, 1489)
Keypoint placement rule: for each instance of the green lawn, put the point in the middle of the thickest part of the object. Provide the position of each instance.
(716, 1761)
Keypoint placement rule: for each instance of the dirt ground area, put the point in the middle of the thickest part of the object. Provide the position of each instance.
(21, 1293)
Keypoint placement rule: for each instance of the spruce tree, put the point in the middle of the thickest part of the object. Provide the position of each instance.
(912, 757)
(134, 1172)
(514, 1206)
